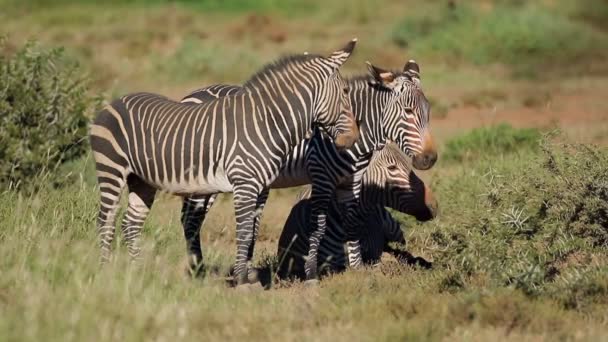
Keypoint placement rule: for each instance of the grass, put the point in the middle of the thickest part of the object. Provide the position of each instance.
(522, 37)
(229, 6)
(500, 273)
(536, 221)
(491, 142)
(193, 57)
(518, 247)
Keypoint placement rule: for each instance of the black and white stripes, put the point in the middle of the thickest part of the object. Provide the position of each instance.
(236, 143)
(388, 181)
(388, 106)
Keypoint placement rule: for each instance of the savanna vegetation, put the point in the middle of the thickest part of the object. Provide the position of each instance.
(518, 111)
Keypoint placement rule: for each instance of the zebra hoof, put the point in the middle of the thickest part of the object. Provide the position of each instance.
(253, 276)
(312, 283)
(195, 271)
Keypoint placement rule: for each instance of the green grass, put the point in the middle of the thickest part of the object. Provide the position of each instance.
(494, 278)
(195, 58)
(522, 37)
(519, 246)
(536, 221)
(229, 6)
(490, 142)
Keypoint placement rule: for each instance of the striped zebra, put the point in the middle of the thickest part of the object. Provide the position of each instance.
(235, 143)
(388, 181)
(388, 106)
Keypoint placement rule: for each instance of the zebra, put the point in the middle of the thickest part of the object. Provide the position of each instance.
(235, 143)
(389, 105)
(388, 181)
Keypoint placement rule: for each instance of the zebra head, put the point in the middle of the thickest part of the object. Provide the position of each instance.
(407, 113)
(390, 182)
(333, 109)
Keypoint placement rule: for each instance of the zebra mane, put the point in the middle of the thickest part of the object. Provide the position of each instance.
(278, 66)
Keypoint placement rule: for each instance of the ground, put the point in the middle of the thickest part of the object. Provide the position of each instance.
(51, 286)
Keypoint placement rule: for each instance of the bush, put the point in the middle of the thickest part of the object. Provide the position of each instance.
(490, 142)
(537, 222)
(43, 107)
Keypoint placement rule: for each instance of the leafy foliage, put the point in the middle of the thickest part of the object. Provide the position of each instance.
(43, 107)
(537, 222)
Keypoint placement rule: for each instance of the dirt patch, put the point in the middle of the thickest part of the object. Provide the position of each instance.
(259, 26)
(582, 113)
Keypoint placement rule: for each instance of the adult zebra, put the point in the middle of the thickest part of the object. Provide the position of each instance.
(237, 143)
(388, 181)
(388, 106)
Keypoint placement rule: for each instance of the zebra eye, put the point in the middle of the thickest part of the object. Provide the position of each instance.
(392, 167)
(346, 90)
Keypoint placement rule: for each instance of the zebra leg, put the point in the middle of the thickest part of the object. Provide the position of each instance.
(141, 198)
(111, 184)
(353, 247)
(194, 211)
(245, 203)
(252, 273)
(353, 235)
(320, 198)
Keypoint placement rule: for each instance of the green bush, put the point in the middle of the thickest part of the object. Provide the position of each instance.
(490, 142)
(537, 222)
(43, 107)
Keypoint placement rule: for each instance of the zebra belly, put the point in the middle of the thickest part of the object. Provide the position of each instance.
(290, 178)
(212, 183)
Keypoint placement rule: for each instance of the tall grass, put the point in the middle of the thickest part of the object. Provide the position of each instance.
(514, 258)
(534, 221)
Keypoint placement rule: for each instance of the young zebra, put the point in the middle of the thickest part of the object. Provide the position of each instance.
(387, 105)
(236, 143)
(388, 181)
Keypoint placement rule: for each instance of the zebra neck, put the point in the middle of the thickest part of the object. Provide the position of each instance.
(369, 105)
(290, 114)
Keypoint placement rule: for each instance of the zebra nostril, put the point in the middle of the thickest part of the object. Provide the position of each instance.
(424, 161)
(431, 158)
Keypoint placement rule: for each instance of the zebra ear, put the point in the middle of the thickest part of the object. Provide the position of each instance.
(381, 76)
(412, 69)
(339, 57)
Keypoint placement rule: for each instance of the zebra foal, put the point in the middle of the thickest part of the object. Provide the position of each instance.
(236, 143)
(388, 181)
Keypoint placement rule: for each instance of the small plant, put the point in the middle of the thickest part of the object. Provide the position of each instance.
(43, 114)
(536, 222)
